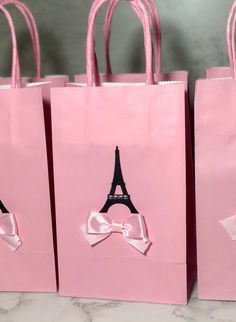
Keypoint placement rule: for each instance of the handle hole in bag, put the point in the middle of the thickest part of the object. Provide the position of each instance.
(16, 77)
(32, 26)
(92, 75)
(155, 20)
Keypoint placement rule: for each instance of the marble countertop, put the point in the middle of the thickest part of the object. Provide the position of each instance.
(28, 307)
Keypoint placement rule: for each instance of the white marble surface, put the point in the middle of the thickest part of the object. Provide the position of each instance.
(19, 307)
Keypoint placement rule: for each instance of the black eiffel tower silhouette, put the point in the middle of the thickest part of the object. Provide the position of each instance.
(3, 208)
(114, 198)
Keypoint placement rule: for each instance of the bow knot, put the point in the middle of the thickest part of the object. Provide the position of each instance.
(99, 226)
(118, 227)
(8, 231)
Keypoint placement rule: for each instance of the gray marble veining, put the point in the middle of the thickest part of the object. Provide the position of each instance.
(32, 307)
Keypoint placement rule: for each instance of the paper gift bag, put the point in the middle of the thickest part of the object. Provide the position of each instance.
(215, 184)
(122, 201)
(26, 240)
(46, 82)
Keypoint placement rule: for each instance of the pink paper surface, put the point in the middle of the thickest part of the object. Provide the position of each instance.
(215, 187)
(24, 190)
(147, 123)
(219, 72)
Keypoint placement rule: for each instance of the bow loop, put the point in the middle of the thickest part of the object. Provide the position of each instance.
(135, 227)
(229, 224)
(8, 231)
(98, 224)
(7, 225)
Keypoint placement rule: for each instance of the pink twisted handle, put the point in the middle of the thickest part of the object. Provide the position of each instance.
(32, 26)
(91, 67)
(230, 35)
(16, 78)
(156, 25)
(233, 66)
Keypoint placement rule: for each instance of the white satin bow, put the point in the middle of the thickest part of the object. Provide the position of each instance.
(99, 226)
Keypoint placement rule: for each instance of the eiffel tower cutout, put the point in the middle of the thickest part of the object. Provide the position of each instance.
(3, 208)
(113, 198)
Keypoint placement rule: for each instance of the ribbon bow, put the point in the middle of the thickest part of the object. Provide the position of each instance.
(230, 225)
(134, 230)
(8, 231)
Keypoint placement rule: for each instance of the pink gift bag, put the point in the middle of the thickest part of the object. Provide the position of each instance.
(123, 202)
(26, 240)
(215, 183)
(46, 82)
